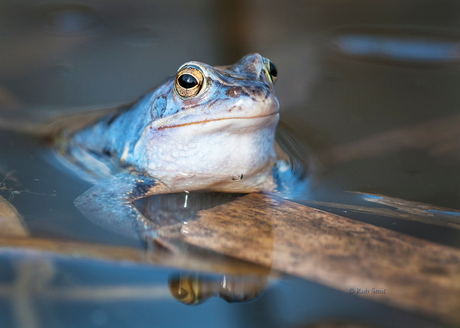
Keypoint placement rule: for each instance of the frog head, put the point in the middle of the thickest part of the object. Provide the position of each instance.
(201, 94)
(210, 124)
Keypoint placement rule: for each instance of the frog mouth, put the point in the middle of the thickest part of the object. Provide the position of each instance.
(218, 119)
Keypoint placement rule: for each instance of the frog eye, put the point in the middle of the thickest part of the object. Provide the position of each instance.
(189, 81)
(270, 71)
(185, 289)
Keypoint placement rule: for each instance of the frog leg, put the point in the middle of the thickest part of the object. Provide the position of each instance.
(110, 204)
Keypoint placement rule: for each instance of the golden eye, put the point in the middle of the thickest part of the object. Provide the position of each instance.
(189, 81)
(270, 70)
(185, 289)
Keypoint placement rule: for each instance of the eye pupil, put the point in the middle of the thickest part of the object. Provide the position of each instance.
(187, 81)
(273, 70)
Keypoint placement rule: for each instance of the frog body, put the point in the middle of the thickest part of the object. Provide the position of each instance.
(207, 128)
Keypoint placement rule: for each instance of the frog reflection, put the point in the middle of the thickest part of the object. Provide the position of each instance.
(194, 289)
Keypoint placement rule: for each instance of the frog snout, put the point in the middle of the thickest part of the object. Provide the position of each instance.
(255, 92)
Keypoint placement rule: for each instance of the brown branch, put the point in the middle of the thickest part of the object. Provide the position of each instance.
(338, 252)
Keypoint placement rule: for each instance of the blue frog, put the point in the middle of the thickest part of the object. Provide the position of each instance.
(206, 128)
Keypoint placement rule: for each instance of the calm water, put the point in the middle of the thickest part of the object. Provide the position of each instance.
(368, 93)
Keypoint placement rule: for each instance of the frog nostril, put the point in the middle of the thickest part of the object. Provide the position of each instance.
(235, 92)
(257, 91)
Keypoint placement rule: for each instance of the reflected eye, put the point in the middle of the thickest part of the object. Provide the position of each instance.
(185, 289)
(270, 71)
(189, 81)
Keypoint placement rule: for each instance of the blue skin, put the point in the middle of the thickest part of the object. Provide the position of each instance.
(167, 142)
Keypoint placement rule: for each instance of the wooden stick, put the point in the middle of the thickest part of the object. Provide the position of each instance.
(350, 256)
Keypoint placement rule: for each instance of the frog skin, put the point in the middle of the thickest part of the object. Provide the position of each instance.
(206, 128)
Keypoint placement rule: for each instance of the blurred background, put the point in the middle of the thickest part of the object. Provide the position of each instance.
(348, 71)
(368, 88)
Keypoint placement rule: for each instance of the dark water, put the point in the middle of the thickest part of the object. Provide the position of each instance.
(289, 302)
(368, 90)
